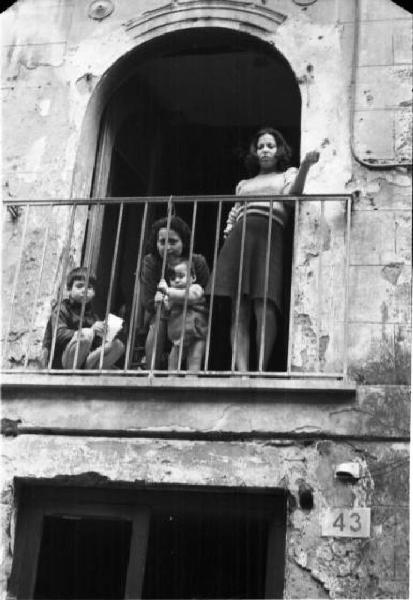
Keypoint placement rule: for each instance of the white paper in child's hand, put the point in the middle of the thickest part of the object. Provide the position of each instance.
(114, 325)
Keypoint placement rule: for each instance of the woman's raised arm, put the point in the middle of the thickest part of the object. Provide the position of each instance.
(311, 158)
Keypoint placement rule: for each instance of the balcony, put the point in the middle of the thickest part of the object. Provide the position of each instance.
(45, 239)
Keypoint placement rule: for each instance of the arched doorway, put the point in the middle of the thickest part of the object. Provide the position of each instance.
(180, 125)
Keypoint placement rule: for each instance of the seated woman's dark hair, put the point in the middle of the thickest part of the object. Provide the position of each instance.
(178, 225)
(283, 151)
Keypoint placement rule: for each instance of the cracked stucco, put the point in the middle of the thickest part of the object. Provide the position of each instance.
(344, 568)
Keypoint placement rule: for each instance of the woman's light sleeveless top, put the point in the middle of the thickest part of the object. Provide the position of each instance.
(275, 184)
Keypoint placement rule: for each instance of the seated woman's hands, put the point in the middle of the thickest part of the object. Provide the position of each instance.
(162, 286)
(161, 296)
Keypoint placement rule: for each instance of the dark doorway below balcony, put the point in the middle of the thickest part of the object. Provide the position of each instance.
(198, 96)
(203, 555)
(157, 543)
(82, 558)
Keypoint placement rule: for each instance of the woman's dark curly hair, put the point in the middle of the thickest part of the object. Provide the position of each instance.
(283, 154)
(176, 224)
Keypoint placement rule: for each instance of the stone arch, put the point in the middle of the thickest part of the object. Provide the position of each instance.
(258, 22)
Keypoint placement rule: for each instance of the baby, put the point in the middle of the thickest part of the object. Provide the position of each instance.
(195, 325)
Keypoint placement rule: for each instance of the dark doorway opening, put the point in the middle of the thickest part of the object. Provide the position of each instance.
(198, 97)
(158, 543)
(83, 558)
(206, 556)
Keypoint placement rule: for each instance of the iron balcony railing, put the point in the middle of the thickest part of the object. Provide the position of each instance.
(44, 239)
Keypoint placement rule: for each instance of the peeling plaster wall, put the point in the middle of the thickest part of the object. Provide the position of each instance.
(319, 287)
(380, 279)
(42, 259)
(322, 567)
(55, 59)
(316, 567)
(390, 61)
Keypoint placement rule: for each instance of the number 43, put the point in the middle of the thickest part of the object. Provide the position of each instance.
(354, 524)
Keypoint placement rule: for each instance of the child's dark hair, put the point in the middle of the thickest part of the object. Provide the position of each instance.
(170, 271)
(79, 274)
(176, 224)
(283, 151)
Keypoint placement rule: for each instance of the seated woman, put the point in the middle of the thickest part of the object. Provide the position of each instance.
(175, 243)
(268, 161)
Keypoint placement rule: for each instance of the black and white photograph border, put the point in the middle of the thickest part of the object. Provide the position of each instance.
(174, 425)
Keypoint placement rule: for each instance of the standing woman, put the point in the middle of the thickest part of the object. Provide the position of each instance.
(268, 162)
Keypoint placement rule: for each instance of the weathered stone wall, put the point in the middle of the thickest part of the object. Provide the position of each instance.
(384, 40)
(378, 130)
(147, 437)
(380, 280)
(320, 287)
(316, 567)
(195, 409)
(35, 251)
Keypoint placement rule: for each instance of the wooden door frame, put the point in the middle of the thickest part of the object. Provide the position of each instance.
(29, 536)
(38, 501)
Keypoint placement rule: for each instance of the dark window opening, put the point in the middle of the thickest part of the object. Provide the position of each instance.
(74, 543)
(82, 558)
(205, 556)
(198, 96)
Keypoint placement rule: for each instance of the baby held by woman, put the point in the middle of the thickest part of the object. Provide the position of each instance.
(188, 324)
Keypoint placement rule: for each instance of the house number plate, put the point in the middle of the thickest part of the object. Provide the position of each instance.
(346, 522)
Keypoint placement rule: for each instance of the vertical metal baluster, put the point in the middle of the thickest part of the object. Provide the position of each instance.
(347, 284)
(88, 267)
(37, 293)
(66, 254)
(136, 291)
(238, 301)
(159, 308)
(16, 278)
(297, 208)
(214, 269)
(188, 283)
(267, 272)
(320, 277)
(110, 291)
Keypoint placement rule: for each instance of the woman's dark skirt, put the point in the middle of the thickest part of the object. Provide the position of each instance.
(254, 261)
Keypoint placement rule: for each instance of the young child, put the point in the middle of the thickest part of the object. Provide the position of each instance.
(175, 242)
(195, 324)
(89, 339)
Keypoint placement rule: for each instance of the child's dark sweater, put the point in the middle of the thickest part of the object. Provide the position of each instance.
(67, 325)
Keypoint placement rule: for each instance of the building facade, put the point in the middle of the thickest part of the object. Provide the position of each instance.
(290, 483)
